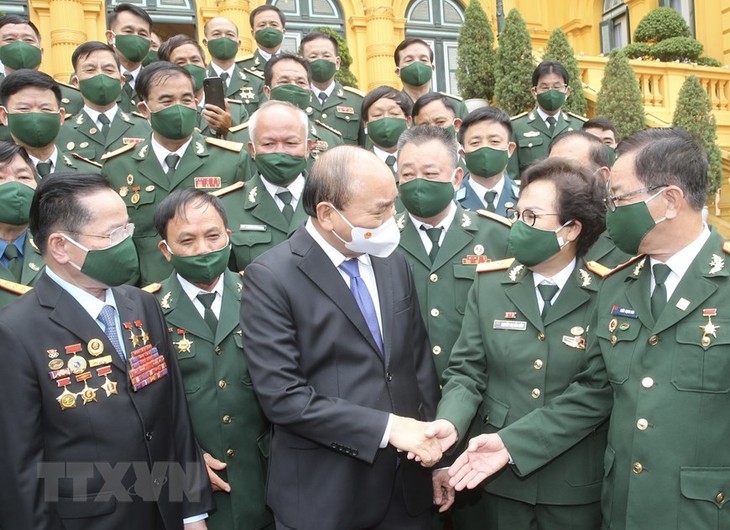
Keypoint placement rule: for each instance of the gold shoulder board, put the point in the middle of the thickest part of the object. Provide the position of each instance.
(452, 96)
(239, 127)
(501, 265)
(123, 149)
(354, 91)
(84, 159)
(13, 287)
(152, 288)
(330, 129)
(623, 265)
(225, 144)
(598, 269)
(495, 217)
(726, 247)
(519, 115)
(227, 189)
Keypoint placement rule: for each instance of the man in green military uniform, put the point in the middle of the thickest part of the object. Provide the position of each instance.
(212, 119)
(247, 86)
(414, 66)
(532, 131)
(128, 31)
(332, 104)
(268, 209)
(268, 26)
(386, 113)
(33, 114)
(101, 126)
(201, 302)
(20, 259)
(523, 339)
(172, 156)
(658, 359)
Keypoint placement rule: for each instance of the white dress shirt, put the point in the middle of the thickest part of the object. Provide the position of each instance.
(560, 279)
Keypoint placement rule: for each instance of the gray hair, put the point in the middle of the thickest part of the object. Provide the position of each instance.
(253, 120)
(422, 134)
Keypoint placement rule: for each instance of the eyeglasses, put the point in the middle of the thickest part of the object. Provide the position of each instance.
(116, 236)
(556, 86)
(611, 200)
(527, 216)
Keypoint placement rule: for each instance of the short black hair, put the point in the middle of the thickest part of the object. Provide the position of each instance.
(430, 98)
(550, 67)
(269, 68)
(580, 196)
(485, 114)
(597, 152)
(314, 35)
(120, 8)
(17, 19)
(87, 48)
(26, 78)
(56, 204)
(154, 72)
(407, 42)
(9, 150)
(263, 8)
(171, 44)
(174, 205)
(381, 92)
(422, 134)
(601, 123)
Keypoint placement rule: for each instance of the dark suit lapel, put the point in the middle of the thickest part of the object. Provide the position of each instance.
(410, 241)
(459, 235)
(183, 315)
(522, 294)
(230, 307)
(384, 281)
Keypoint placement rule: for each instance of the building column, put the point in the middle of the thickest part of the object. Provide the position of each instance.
(67, 23)
(379, 49)
(238, 11)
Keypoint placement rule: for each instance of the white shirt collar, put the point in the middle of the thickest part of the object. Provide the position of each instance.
(218, 71)
(91, 304)
(53, 159)
(544, 116)
(193, 290)
(295, 188)
(445, 222)
(382, 155)
(481, 190)
(134, 73)
(333, 254)
(94, 114)
(264, 55)
(560, 279)
(327, 90)
(681, 261)
(162, 152)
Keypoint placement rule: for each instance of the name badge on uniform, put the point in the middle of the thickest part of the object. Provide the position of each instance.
(623, 311)
(510, 325)
(132, 141)
(252, 228)
(574, 342)
(346, 110)
(205, 183)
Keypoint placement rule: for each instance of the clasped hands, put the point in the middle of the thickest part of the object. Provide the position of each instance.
(424, 442)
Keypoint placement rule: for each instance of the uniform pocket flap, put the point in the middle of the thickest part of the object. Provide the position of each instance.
(465, 271)
(530, 142)
(710, 484)
(493, 412)
(692, 333)
(250, 238)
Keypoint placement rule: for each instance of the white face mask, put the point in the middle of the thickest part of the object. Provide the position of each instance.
(379, 242)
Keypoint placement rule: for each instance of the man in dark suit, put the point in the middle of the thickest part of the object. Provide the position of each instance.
(340, 359)
(106, 430)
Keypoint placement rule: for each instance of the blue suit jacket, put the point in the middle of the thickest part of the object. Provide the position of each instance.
(468, 198)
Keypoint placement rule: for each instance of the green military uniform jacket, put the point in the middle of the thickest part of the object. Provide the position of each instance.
(239, 115)
(73, 161)
(81, 135)
(605, 252)
(254, 62)
(666, 385)
(134, 171)
(461, 110)
(245, 86)
(532, 136)
(442, 286)
(508, 363)
(341, 111)
(225, 413)
(33, 263)
(126, 103)
(256, 222)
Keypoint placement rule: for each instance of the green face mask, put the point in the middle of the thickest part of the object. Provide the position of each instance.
(268, 37)
(199, 74)
(175, 122)
(100, 89)
(486, 161)
(628, 225)
(151, 57)
(425, 198)
(111, 266)
(386, 131)
(322, 70)
(133, 47)
(532, 246)
(416, 74)
(19, 54)
(15, 199)
(223, 48)
(611, 155)
(296, 95)
(280, 168)
(35, 129)
(551, 100)
(203, 268)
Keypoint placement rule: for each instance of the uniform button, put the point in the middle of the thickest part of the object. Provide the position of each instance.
(653, 340)
(222, 383)
(537, 364)
(148, 436)
(230, 452)
(535, 393)
(637, 467)
(218, 350)
(435, 312)
(436, 350)
(614, 340)
(541, 337)
(333, 445)
(720, 498)
(434, 278)
(227, 419)
(642, 424)
(389, 376)
(647, 382)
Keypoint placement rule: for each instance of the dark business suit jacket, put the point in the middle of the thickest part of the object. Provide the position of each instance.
(327, 389)
(150, 427)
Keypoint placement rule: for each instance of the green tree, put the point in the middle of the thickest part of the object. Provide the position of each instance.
(659, 24)
(619, 98)
(514, 66)
(694, 114)
(560, 50)
(475, 54)
(344, 75)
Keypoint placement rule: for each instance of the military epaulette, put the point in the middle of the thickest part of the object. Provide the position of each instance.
(330, 129)
(252, 72)
(84, 159)
(238, 127)
(500, 265)
(241, 59)
(238, 101)
(139, 115)
(577, 116)
(452, 96)
(67, 117)
(13, 287)
(354, 91)
(67, 85)
(617, 268)
(112, 154)
(726, 247)
(495, 217)
(225, 144)
(227, 189)
(152, 288)
(598, 269)
(519, 115)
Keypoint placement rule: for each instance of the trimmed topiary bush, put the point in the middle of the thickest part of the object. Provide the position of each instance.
(475, 54)
(619, 98)
(559, 49)
(683, 49)
(637, 50)
(514, 66)
(659, 24)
